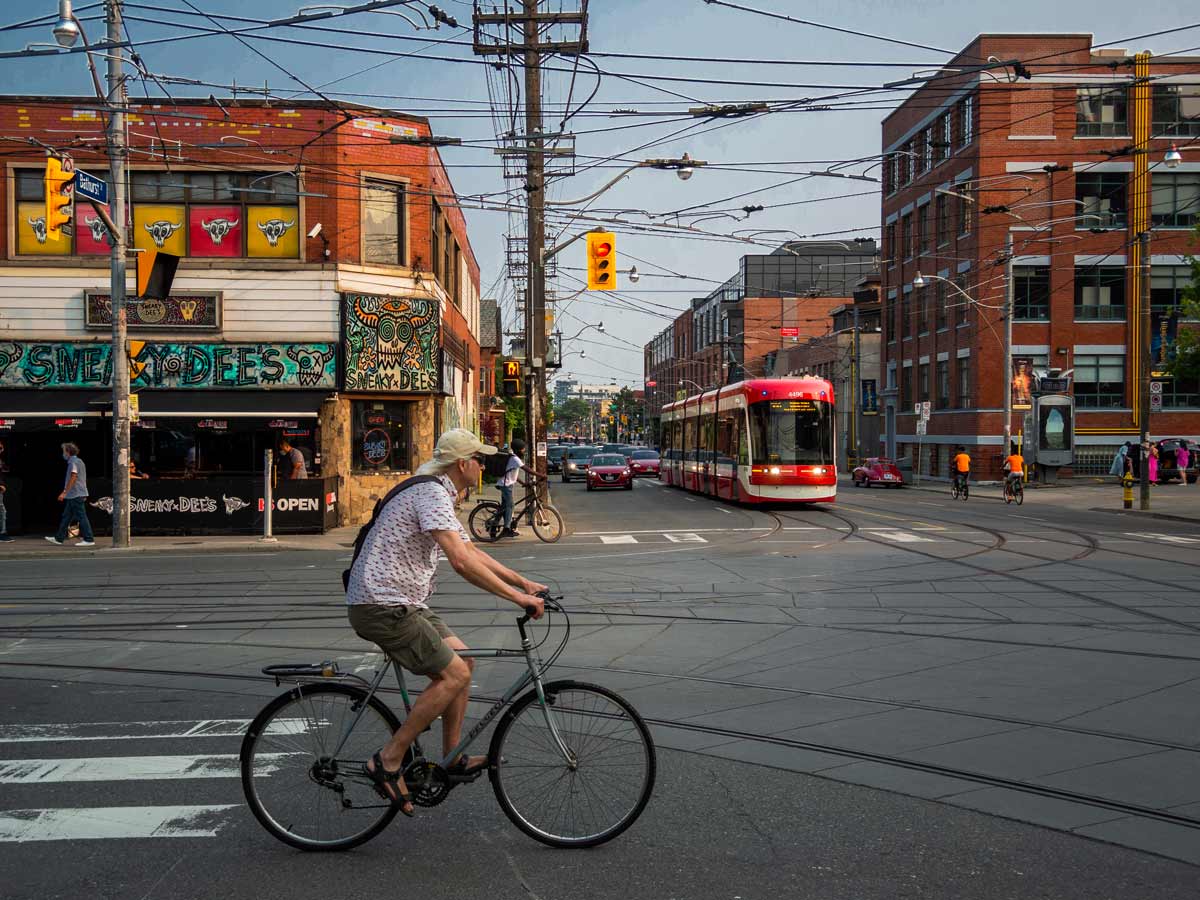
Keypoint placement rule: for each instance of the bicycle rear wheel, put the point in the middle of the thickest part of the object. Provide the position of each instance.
(296, 789)
(1020, 492)
(484, 521)
(547, 523)
(595, 797)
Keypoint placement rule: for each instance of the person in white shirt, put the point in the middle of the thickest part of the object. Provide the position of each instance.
(507, 484)
(388, 594)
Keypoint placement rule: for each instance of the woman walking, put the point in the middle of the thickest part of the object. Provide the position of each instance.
(1152, 463)
(1182, 460)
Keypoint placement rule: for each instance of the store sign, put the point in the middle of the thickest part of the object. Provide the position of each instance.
(8, 424)
(789, 331)
(172, 366)
(378, 128)
(376, 447)
(183, 312)
(390, 343)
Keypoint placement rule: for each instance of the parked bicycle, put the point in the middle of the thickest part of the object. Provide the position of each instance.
(1014, 490)
(572, 764)
(487, 519)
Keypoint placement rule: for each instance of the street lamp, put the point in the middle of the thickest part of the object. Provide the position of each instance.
(684, 167)
(634, 275)
(598, 326)
(66, 29)
(1174, 157)
(682, 381)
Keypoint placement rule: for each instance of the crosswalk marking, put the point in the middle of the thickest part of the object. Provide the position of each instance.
(618, 539)
(128, 768)
(129, 731)
(1170, 538)
(685, 537)
(902, 537)
(23, 825)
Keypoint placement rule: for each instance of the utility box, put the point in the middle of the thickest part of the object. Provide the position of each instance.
(1050, 435)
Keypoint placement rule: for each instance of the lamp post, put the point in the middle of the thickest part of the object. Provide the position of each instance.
(66, 30)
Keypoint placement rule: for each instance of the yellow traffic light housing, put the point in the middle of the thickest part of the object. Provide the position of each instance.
(601, 261)
(60, 197)
(512, 377)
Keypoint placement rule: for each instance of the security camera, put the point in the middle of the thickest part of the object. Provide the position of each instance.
(316, 230)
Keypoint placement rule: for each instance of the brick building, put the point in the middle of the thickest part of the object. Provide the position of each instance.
(357, 340)
(974, 159)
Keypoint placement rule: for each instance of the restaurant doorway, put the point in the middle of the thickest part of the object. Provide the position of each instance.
(36, 470)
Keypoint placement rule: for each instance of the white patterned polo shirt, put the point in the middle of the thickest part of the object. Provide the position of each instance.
(398, 563)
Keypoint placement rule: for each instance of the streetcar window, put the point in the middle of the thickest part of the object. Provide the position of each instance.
(791, 433)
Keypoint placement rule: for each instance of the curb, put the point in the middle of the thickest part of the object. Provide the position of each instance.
(190, 547)
(1191, 520)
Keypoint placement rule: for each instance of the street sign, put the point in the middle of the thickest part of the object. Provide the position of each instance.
(135, 408)
(541, 449)
(922, 426)
(917, 409)
(89, 187)
(1156, 402)
(1155, 387)
(926, 406)
(790, 331)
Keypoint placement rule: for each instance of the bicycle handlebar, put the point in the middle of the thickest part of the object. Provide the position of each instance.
(550, 602)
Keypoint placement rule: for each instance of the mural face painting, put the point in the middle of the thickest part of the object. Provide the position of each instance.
(173, 366)
(391, 343)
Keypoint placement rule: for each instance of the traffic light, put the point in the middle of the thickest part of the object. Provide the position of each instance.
(60, 196)
(512, 377)
(601, 261)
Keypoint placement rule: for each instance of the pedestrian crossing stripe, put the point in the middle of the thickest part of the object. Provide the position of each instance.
(1170, 538)
(25, 825)
(129, 768)
(685, 537)
(618, 539)
(129, 731)
(903, 537)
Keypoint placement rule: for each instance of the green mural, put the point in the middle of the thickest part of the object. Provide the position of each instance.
(390, 343)
(47, 364)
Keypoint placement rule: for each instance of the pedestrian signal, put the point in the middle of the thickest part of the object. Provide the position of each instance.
(512, 377)
(60, 196)
(601, 261)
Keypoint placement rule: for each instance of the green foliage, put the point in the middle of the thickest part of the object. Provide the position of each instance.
(572, 412)
(1186, 361)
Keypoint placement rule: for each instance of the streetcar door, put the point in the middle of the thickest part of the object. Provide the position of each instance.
(725, 462)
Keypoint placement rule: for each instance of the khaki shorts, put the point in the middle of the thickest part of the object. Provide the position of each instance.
(411, 635)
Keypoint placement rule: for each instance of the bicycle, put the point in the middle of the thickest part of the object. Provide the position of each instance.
(1014, 490)
(302, 758)
(959, 490)
(487, 519)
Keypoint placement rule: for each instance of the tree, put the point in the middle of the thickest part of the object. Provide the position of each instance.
(1185, 361)
(572, 412)
(625, 407)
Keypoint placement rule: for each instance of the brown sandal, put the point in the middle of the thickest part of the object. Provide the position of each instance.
(389, 785)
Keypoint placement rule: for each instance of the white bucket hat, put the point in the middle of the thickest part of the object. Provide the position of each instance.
(459, 443)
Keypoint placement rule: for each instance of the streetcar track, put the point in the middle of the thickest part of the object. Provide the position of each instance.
(829, 773)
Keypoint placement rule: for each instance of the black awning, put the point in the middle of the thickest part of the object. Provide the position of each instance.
(29, 403)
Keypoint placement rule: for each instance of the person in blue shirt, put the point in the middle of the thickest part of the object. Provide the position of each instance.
(74, 500)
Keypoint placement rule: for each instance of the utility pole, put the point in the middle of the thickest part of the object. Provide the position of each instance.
(120, 360)
(1144, 369)
(1010, 293)
(855, 393)
(1139, 226)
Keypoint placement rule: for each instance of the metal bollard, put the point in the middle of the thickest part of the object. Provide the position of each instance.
(1127, 491)
(268, 498)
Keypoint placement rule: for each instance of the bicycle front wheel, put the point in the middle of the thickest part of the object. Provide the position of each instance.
(296, 788)
(547, 523)
(588, 798)
(484, 521)
(1020, 495)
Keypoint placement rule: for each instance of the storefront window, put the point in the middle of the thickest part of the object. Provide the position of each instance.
(382, 436)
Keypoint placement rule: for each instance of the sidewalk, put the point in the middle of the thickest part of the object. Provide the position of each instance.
(1171, 502)
(36, 547)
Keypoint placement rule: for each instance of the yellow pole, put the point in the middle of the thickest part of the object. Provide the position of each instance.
(1139, 222)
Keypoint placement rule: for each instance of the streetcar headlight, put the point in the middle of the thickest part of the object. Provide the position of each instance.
(819, 470)
(774, 470)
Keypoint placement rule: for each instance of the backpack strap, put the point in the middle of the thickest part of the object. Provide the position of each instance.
(361, 539)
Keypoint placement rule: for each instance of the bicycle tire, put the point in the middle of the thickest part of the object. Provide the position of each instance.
(547, 523)
(522, 736)
(481, 525)
(1008, 495)
(1020, 495)
(301, 787)
(966, 492)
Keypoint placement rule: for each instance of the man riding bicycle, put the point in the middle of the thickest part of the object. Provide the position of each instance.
(962, 467)
(1014, 468)
(390, 584)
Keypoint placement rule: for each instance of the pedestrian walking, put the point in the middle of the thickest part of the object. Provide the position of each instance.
(1182, 461)
(1152, 463)
(4, 538)
(293, 461)
(74, 499)
(1120, 463)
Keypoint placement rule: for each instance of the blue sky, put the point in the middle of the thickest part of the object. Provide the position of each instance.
(664, 30)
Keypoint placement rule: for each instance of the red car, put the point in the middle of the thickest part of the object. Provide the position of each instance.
(877, 470)
(609, 470)
(644, 462)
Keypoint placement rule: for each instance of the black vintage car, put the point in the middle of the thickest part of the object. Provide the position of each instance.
(554, 457)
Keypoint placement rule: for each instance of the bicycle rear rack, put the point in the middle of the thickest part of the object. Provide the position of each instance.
(310, 672)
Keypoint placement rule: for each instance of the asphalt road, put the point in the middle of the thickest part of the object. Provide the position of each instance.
(897, 696)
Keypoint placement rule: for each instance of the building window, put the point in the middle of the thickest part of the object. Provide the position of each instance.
(1099, 293)
(923, 381)
(1175, 199)
(906, 236)
(922, 230)
(890, 238)
(964, 382)
(945, 138)
(927, 154)
(905, 386)
(383, 223)
(891, 377)
(943, 384)
(1181, 393)
(1031, 293)
(1101, 111)
(1099, 381)
(939, 305)
(382, 430)
(966, 121)
(906, 315)
(923, 309)
(1101, 200)
(941, 216)
(1176, 110)
(960, 302)
(1167, 286)
(964, 210)
(906, 165)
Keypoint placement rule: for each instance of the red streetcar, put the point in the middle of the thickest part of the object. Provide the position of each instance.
(768, 440)
(609, 470)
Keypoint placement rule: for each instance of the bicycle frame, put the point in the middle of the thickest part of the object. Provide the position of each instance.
(533, 674)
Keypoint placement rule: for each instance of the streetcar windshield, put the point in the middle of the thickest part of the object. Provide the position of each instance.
(792, 433)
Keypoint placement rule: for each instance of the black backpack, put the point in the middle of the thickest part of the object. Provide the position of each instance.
(366, 529)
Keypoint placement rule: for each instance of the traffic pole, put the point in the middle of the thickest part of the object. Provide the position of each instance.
(120, 360)
(1144, 374)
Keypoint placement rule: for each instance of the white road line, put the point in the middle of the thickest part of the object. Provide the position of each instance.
(136, 731)
(722, 509)
(23, 825)
(1171, 538)
(618, 539)
(903, 537)
(694, 531)
(127, 768)
(684, 537)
